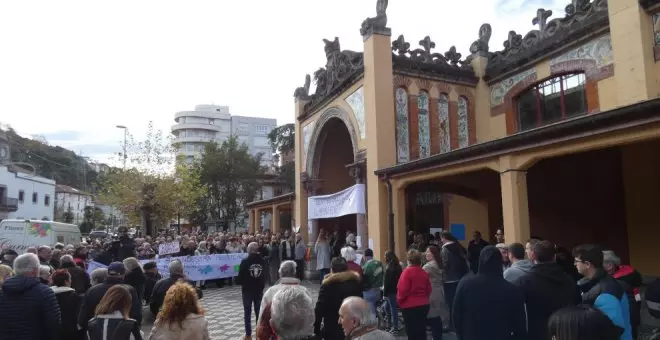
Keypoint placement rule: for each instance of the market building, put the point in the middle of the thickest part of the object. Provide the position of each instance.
(555, 136)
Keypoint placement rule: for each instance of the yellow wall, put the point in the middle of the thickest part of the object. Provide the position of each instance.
(473, 214)
(641, 170)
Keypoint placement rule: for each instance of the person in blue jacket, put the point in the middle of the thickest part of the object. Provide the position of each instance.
(601, 290)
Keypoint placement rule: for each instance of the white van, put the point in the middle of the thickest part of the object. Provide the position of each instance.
(22, 234)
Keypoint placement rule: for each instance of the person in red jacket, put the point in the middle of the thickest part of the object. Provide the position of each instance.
(413, 292)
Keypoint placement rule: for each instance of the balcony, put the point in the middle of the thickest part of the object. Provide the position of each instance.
(196, 126)
(178, 140)
(8, 204)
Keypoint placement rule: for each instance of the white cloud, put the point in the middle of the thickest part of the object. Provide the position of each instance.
(87, 66)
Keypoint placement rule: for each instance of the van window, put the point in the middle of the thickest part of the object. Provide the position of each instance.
(60, 238)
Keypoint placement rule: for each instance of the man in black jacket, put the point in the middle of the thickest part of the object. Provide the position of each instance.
(252, 278)
(162, 286)
(502, 317)
(547, 288)
(116, 271)
(28, 308)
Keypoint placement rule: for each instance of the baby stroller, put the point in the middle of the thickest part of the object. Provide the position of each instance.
(652, 299)
(383, 314)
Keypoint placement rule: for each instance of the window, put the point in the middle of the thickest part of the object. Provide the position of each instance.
(21, 196)
(423, 121)
(463, 131)
(260, 128)
(402, 138)
(261, 142)
(47, 200)
(551, 101)
(35, 197)
(243, 127)
(443, 122)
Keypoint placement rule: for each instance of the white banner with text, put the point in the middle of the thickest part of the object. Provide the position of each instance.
(346, 202)
(196, 268)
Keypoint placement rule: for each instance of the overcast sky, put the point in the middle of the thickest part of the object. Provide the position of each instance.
(72, 70)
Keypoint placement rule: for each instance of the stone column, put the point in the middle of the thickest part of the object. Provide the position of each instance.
(631, 31)
(515, 211)
(275, 219)
(356, 171)
(312, 187)
(251, 221)
(379, 123)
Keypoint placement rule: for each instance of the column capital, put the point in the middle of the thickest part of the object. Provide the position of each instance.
(357, 170)
(312, 186)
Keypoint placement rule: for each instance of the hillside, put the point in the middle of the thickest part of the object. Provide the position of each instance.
(54, 162)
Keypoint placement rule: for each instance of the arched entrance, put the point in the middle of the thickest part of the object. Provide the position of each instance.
(332, 150)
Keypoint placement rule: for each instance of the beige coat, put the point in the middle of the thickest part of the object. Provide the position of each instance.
(437, 299)
(195, 327)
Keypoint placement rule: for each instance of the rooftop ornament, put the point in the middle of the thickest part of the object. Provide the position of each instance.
(582, 17)
(377, 24)
(425, 54)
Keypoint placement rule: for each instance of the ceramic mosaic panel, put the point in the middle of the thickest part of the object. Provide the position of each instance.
(307, 137)
(656, 28)
(402, 135)
(424, 125)
(499, 90)
(356, 101)
(443, 122)
(463, 130)
(598, 50)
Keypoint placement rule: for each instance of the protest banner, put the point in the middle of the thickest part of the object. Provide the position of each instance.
(169, 248)
(196, 268)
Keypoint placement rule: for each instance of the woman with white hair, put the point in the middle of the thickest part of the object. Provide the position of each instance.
(349, 254)
(135, 276)
(632, 281)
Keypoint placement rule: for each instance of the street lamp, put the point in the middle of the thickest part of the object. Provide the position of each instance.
(125, 137)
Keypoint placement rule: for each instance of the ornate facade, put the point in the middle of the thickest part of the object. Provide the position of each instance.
(555, 135)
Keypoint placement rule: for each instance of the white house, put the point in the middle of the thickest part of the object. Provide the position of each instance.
(68, 198)
(24, 195)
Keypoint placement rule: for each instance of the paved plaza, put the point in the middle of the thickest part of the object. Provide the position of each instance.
(224, 311)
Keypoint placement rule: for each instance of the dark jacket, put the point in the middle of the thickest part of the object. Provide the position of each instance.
(110, 327)
(292, 249)
(473, 251)
(29, 310)
(454, 262)
(334, 289)
(547, 288)
(136, 279)
(160, 290)
(69, 302)
(487, 300)
(149, 284)
(609, 296)
(252, 274)
(80, 280)
(94, 296)
(391, 279)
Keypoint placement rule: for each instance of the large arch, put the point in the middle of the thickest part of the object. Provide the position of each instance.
(320, 134)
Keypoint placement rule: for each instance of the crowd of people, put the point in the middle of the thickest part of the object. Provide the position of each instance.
(485, 291)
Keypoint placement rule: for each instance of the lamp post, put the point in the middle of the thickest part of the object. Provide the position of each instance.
(125, 137)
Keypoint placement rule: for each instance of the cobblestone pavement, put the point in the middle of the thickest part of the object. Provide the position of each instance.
(224, 311)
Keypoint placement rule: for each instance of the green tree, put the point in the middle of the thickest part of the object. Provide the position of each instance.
(232, 177)
(283, 139)
(146, 191)
(190, 192)
(68, 216)
(88, 220)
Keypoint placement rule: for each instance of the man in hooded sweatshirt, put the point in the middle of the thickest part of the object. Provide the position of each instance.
(487, 300)
(519, 266)
(547, 288)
